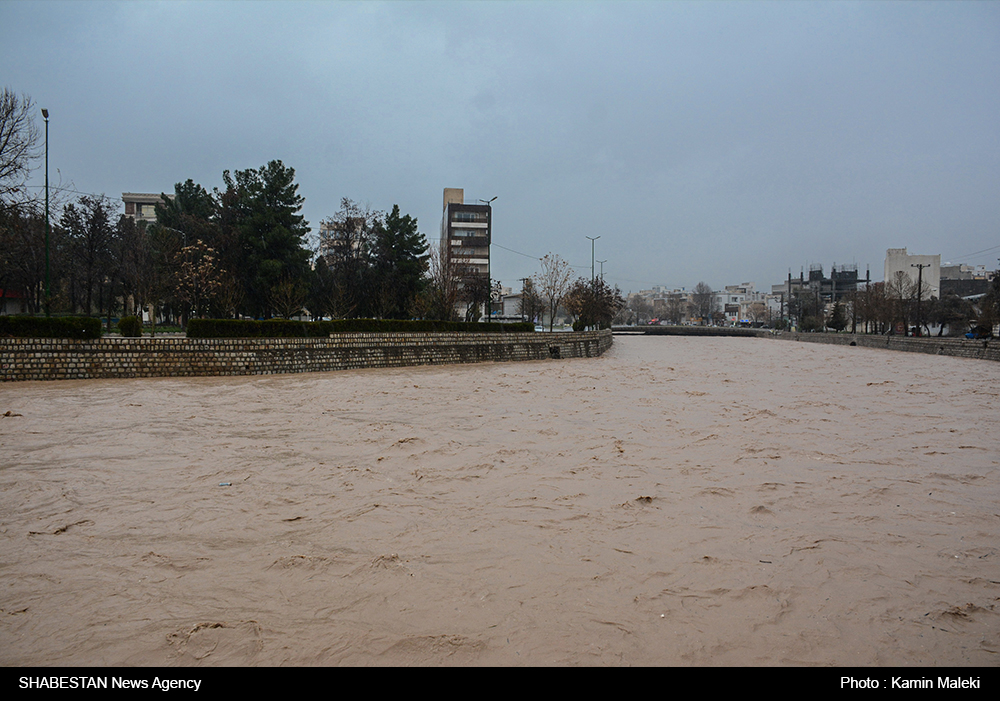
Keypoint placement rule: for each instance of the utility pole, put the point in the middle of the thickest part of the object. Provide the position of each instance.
(489, 241)
(920, 278)
(602, 262)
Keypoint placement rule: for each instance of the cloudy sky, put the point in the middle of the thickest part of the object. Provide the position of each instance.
(716, 141)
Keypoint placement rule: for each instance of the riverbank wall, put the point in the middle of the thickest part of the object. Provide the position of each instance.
(985, 349)
(69, 359)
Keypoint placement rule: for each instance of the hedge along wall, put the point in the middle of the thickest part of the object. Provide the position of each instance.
(958, 347)
(68, 359)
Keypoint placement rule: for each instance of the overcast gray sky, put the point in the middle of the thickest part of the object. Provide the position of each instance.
(715, 141)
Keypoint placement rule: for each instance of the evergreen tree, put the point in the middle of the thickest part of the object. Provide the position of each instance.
(838, 318)
(262, 208)
(399, 262)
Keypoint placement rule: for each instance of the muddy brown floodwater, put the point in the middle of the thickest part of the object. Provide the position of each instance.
(679, 501)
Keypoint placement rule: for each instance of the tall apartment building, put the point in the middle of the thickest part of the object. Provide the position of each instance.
(465, 235)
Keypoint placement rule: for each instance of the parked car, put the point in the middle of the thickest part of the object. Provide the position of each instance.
(979, 332)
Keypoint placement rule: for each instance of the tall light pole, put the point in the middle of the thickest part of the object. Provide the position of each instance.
(593, 280)
(592, 240)
(45, 116)
(489, 240)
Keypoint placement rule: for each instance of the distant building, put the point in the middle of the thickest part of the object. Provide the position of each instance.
(929, 272)
(961, 271)
(842, 282)
(12, 302)
(964, 280)
(141, 206)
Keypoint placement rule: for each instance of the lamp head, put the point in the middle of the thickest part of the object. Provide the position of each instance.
(45, 113)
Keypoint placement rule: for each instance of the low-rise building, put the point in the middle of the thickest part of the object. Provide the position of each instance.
(141, 206)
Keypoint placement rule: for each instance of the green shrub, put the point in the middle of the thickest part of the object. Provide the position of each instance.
(82, 327)
(130, 326)
(284, 328)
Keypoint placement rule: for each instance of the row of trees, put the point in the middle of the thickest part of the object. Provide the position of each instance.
(225, 253)
(371, 264)
(242, 250)
(882, 307)
(894, 306)
(593, 303)
(91, 255)
(701, 304)
(885, 307)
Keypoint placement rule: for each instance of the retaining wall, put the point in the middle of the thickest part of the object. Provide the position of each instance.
(69, 359)
(685, 330)
(959, 347)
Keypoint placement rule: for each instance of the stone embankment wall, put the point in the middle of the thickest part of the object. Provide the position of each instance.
(66, 359)
(685, 330)
(959, 347)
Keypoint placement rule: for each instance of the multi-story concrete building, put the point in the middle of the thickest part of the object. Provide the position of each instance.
(466, 231)
(141, 206)
(925, 269)
(465, 235)
(842, 282)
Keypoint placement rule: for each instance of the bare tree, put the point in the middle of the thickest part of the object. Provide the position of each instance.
(637, 310)
(18, 144)
(230, 296)
(902, 291)
(553, 283)
(675, 307)
(288, 297)
(345, 241)
(134, 257)
(757, 313)
(531, 305)
(873, 307)
(440, 296)
(88, 224)
(704, 301)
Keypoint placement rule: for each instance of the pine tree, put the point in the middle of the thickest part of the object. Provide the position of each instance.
(399, 259)
(262, 207)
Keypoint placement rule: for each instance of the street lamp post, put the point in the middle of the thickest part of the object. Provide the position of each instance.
(489, 241)
(593, 280)
(592, 240)
(45, 116)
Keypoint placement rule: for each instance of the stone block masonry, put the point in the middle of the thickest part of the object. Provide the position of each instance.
(957, 347)
(68, 359)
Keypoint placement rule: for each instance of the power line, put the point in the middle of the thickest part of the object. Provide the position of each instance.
(76, 192)
(985, 250)
(513, 251)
